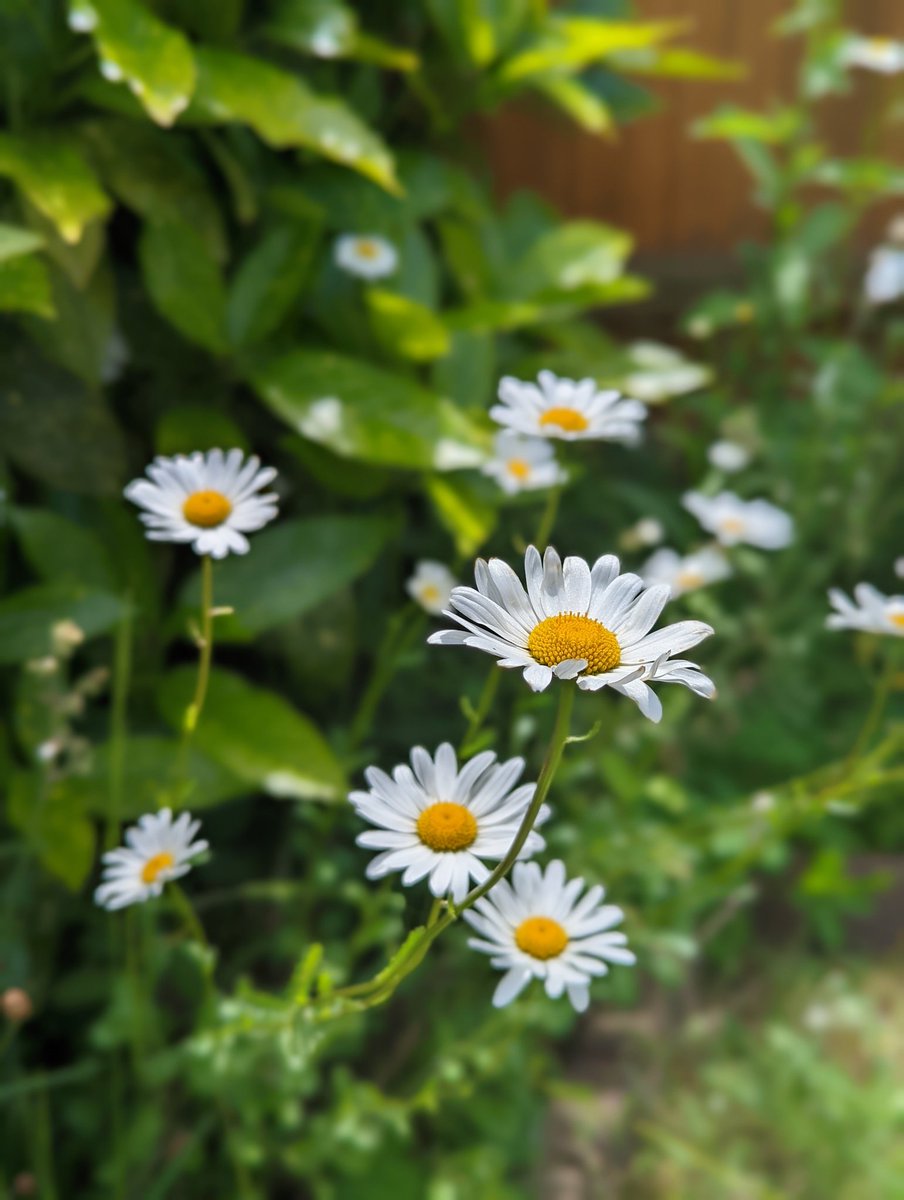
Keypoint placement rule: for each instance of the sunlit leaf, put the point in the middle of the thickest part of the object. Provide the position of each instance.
(464, 509)
(406, 328)
(15, 241)
(576, 42)
(51, 172)
(25, 286)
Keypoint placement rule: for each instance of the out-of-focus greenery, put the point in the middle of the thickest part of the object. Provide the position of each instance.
(172, 180)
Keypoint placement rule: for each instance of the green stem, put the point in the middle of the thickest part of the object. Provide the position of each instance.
(122, 667)
(401, 632)
(548, 519)
(188, 914)
(877, 708)
(484, 704)
(194, 710)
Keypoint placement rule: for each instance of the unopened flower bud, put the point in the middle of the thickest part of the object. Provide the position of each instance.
(16, 1005)
(66, 637)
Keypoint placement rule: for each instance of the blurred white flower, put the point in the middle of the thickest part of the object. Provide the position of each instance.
(431, 586)
(685, 573)
(899, 567)
(884, 279)
(521, 464)
(662, 372)
(870, 611)
(881, 54)
(82, 17)
(762, 802)
(700, 327)
(567, 409)
(572, 623)
(432, 819)
(732, 520)
(541, 927)
(157, 850)
(366, 255)
(211, 500)
(728, 456)
(645, 532)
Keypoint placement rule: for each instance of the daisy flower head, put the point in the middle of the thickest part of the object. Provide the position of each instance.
(541, 927)
(687, 572)
(431, 585)
(732, 520)
(368, 256)
(432, 820)
(210, 500)
(882, 54)
(870, 611)
(157, 850)
(573, 621)
(521, 464)
(568, 409)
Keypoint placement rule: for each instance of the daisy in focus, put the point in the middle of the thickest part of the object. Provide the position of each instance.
(540, 927)
(436, 821)
(157, 850)
(881, 54)
(732, 520)
(685, 573)
(431, 586)
(572, 622)
(521, 464)
(568, 409)
(365, 255)
(870, 611)
(210, 500)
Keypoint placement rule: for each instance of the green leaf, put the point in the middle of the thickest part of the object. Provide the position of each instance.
(27, 617)
(575, 255)
(468, 372)
(284, 111)
(59, 550)
(185, 283)
(269, 280)
(360, 411)
(477, 31)
(80, 336)
(679, 63)
(51, 172)
(295, 566)
(325, 28)
(489, 316)
(406, 328)
(732, 123)
(577, 101)
(576, 42)
(155, 60)
(256, 735)
(15, 241)
(25, 286)
(60, 835)
(197, 427)
(467, 513)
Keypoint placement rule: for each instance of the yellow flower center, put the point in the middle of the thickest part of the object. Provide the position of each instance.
(541, 937)
(732, 525)
(445, 826)
(744, 312)
(897, 619)
(206, 509)
(688, 580)
(367, 249)
(568, 419)
(571, 636)
(429, 593)
(156, 864)
(519, 468)
(880, 44)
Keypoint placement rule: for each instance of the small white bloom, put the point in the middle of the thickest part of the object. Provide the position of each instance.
(732, 520)
(568, 409)
(899, 567)
(211, 500)
(47, 751)
(872, 613)
(728, 456)
(685, 573)
(366, 255)
(700, 328)
(540, 927)
(435, 820)
(762, 802)
(521, 464)
(157, 850)
(647, 532)
(82, 18)
(884, 279)
(572, 622)
(431, 586)
(881, 54)
(323, 419)
(661, 372)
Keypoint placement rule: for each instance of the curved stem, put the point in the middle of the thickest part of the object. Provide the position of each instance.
(884, 688)
(548, 519)
(194, 710)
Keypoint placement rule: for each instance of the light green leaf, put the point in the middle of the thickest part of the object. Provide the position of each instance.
(576, 42)
(678, 63)
(487, 316)
(406, 328)
(51, 172)
(577, 101)
(467, 513)
(256, 735)
(155, 60)
(325, 28)
(360, 411)
(468, 372)
(732, 123)
(284, 111)
(15, 241)
(575, 255)
(59, 550)
(25, 286)
(295, 566)
(60, 835)
(477, 31)
(184, 282)
(269, 280)
(26, 617)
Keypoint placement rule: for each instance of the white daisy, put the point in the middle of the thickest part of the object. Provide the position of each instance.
(873, 612)
(431, 585)
(728, 456)
(366, 255)
(664, 670)
(732, 520)
(564, 408)
(435, 820)
(157, 850)
(884, 279)
(573, 622)
(521, 464)
(881, 54)
(685, 573)
(211, 500)
(539, 927)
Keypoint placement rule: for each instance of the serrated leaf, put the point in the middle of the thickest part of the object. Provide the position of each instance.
(256, 735)
(51, 172)
(185, 283)
(406, 328)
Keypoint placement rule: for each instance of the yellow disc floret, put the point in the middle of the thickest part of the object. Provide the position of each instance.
(367, 249)
(541, 937)
(897, 618)
(446, 826)
(206, 509)
(519, 468)
(568, 419)
(154, 865)
(572, 636)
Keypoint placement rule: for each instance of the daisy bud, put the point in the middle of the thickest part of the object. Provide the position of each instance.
(16, 1005)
